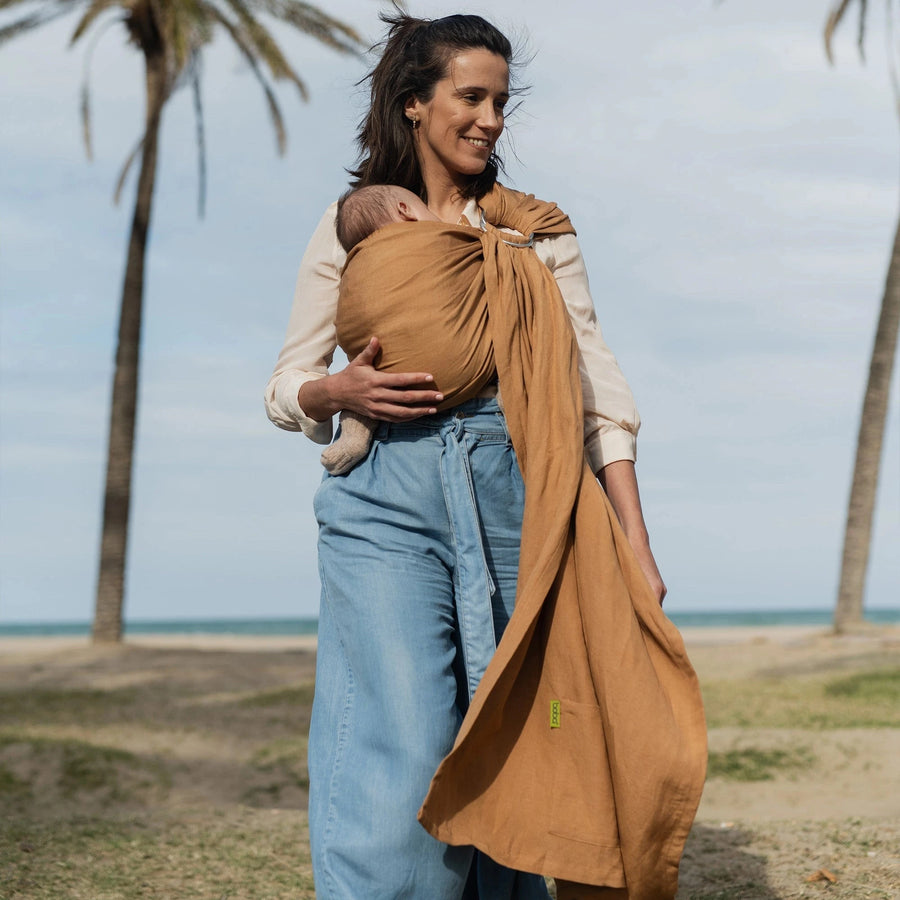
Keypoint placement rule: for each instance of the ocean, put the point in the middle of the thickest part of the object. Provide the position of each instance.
(299, 626)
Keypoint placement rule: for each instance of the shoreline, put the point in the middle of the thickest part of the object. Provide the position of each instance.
(694, 636)
(238, 643)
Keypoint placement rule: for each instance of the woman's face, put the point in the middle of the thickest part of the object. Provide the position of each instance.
(460, 124)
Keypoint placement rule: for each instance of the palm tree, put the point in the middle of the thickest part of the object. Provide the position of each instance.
(861, 508)
(171, 36)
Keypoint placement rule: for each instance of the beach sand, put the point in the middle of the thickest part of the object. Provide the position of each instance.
(170, 760)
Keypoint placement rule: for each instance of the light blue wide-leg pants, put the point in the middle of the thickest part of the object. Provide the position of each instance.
(418, 554)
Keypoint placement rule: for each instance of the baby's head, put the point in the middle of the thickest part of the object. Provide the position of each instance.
(362, 211)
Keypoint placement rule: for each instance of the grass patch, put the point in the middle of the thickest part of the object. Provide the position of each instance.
(288, 752)
(861, 700)
(74, 769)
(882, 685)
(11, 786)
(753, 764)
(261, 857)
(284, 761)
(301, 695)
(85, 767)
(45, 704)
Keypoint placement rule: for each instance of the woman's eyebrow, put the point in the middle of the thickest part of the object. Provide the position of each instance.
(466, 89)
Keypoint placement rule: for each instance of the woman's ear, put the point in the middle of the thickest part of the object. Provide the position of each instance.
(412, 109)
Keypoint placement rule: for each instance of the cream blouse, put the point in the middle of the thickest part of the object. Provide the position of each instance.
(611, 420)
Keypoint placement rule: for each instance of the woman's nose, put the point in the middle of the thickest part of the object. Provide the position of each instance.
(489, 117)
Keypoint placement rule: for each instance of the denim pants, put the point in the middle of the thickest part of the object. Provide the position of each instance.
(418, 554)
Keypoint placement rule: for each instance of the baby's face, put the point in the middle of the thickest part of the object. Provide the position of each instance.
(407, 207)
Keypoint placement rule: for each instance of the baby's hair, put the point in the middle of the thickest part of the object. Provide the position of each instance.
(361, 211)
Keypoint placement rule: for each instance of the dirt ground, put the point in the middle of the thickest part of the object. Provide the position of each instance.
(175, 768)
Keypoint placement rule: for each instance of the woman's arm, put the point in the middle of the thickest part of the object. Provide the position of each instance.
(611, 418)
(310, 340)
(620, 483)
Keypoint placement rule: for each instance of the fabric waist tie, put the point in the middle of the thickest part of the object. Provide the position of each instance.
(474, 585)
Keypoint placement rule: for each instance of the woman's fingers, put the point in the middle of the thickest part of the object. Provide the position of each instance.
(409, 398)
(365, 359)
(395, 405)
(367, 356)
(651, 572)
(397, 381)
(375, 388)
(655, 581)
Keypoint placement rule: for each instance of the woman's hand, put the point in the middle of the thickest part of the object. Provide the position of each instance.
(620, 483)
(390, 397)
(648, 566)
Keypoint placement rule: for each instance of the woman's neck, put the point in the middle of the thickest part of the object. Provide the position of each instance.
(445, 199)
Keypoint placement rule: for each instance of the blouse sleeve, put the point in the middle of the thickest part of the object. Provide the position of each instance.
(309, 345)
(611, 420)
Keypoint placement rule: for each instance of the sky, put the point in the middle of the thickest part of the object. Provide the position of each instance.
(735, 198)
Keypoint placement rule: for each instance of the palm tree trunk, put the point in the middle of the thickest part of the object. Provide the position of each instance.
(114, 542)
(861, 509)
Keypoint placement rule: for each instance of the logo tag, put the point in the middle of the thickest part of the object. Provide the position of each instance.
(555, 713)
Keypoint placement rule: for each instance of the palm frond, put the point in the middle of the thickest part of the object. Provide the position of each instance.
(86, 116)
(201, 137)
(247, 51)
(28, 23)
(833, 20)
(6, 4)
(179, 45)
(267, 49)
(188, 28)
(180, 29)
(861, 30)
(311, 20)
(96, 8)
(86, 86)
(129, 162)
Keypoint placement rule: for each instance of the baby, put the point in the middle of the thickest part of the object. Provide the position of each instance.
(367, 209)
(359, 213)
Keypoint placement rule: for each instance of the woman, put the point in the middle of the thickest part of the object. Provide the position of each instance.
(419, 543)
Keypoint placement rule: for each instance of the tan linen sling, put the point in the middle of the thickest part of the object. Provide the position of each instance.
(583, 753)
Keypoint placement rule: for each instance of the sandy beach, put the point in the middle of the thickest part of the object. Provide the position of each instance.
(174, 766)
(695, 637)
(44, 646)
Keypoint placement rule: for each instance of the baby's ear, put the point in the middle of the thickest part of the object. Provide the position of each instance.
(405, 212)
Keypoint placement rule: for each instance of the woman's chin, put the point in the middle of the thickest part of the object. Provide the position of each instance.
(471, 169)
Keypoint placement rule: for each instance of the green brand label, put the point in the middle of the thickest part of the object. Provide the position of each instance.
(555, 713)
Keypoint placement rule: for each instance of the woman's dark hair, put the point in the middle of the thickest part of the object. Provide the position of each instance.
(415, 56)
